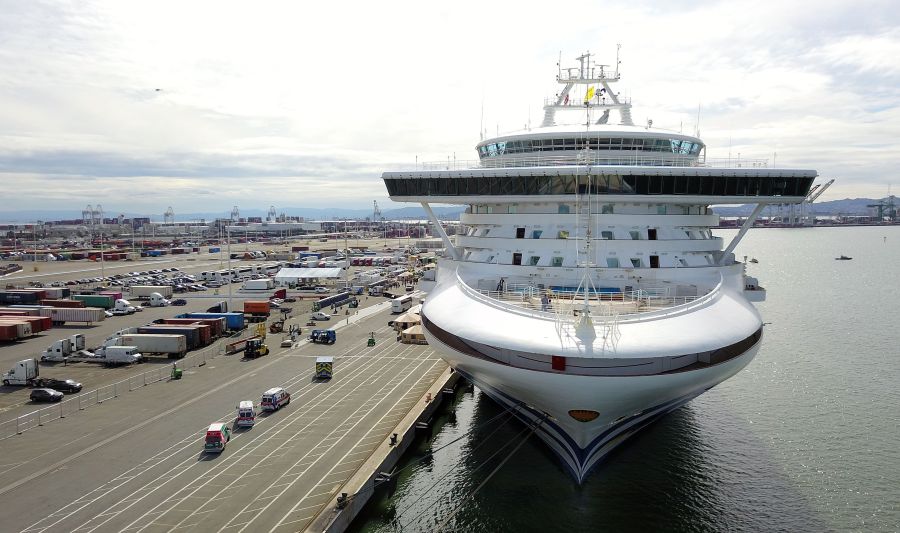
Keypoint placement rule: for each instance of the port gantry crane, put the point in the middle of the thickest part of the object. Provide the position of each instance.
(886, 207)
(808, 219)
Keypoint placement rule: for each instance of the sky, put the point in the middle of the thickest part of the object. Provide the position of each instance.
(199, 105)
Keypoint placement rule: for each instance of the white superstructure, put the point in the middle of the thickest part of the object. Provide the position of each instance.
(587, 292)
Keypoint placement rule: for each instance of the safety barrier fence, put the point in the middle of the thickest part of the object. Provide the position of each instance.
(71, 405)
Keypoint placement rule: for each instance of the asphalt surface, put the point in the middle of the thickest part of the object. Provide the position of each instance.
(91, 375)
(135, 463)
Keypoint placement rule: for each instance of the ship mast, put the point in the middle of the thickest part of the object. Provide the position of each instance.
(598, 93)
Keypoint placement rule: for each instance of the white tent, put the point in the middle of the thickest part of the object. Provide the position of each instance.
(413, 335)
(286, 276)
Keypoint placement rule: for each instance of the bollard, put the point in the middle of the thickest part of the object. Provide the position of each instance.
(61, 414)
(17, 425)
(115, 390)
(39, 418)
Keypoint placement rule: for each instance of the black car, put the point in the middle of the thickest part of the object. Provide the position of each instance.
(179, 301)
(61, 385)
(46, 395)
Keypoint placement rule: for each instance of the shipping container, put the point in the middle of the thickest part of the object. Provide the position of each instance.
(22, 328)
(144, 291)
(57, 293)
(116, 295)
(96, 300)
(61, 315)
(258, 285)
(256, 307)
(5, 311)
(234, 321)
(72, 304)
(175, 346)
(8, 332)
(191, 333)
(217, 325)
(38, 323)
(16, 297)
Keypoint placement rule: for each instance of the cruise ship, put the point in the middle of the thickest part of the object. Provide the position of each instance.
(585, 290)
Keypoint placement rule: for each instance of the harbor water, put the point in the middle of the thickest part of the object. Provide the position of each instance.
(806, 438)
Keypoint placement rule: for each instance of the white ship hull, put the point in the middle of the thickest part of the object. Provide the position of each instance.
(626, 403)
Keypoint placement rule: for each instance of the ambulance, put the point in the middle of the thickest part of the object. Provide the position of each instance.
(246, 414)
(217, 436)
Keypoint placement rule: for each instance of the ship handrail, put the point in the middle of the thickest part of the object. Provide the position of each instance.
(661, 160)
(521, 308)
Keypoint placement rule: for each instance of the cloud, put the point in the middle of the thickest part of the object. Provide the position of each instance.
(285, 103)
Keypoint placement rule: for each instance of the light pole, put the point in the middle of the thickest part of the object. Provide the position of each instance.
(102, 273)
(228, 240)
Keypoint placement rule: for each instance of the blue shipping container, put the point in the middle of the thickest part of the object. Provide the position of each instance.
(233, 321)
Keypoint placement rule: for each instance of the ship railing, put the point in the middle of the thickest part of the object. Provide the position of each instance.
(594, 158)
(567, 306)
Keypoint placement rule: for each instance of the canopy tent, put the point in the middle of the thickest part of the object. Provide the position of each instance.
(406, 320)
(413, 335)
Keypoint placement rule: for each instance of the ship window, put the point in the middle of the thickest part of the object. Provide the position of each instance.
(556, 261)
(536, 234)
(606, 208)
(682, 262)
(636, 262)
(520, 233)
(517, 259)
(563, 234)
(651, 234)
(661, 209)
(490, 259)
(534, 260)
(654, 261)
(635, 235)
(606, 235)
(563, 209)
(688, 233)
(612, 262)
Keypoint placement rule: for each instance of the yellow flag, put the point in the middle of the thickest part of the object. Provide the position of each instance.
(589, 95)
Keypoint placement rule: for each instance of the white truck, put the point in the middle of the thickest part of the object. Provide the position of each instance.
(145, 291)
(24, 373)
(175, 346)
(158, 300)
(123, 307)
(117, 355)
(62, 351)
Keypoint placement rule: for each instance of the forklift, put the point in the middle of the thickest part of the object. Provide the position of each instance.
(255, 348)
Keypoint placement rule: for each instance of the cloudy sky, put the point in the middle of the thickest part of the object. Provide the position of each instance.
(203, 105)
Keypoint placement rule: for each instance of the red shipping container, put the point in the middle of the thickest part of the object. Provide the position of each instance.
(69, 304)
(8, 332)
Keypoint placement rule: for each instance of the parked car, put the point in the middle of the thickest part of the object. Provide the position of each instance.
(321, 290)
(46, 395)
(179, 301)
(61, 385)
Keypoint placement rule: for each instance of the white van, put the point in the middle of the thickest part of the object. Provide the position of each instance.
(246, 414)
(274, 399)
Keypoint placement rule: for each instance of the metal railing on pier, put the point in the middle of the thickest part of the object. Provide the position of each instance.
(70, 406)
